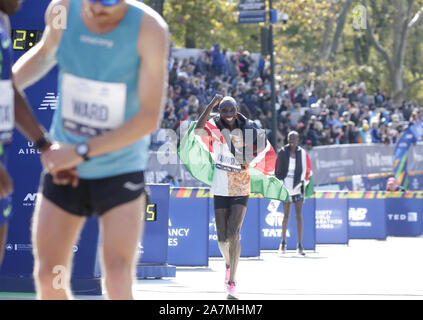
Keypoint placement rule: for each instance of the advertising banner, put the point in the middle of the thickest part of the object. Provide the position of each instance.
(154, 245)
(404, 215)
(367, 217)
(331, 220)
(271, 217)
(188, 228)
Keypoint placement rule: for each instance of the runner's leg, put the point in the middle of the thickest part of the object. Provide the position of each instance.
(121, 229)
(54, 233)
(236, 217)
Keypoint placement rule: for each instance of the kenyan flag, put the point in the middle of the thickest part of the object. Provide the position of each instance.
(197, 154)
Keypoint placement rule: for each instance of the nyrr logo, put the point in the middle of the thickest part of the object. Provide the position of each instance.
(49, 102)
(29, 199)
(29, 149)
(357, 214)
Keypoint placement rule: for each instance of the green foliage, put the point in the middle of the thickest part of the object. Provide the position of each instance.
(201, 23)
(299, 47)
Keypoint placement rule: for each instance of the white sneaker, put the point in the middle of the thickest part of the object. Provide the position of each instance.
(300, 251)
(230, 290)
(282, 249)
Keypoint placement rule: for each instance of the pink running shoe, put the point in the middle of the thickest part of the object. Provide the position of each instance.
(230, 290)
(227, 275)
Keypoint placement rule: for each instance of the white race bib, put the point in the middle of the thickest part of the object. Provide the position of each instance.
(90, 107)
(7, 111)
(224, 159)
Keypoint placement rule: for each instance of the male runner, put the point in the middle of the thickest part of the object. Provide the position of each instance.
(231, 181)
(112, 59)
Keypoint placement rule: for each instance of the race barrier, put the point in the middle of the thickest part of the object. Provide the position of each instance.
(271, 216)
(331, 220)
(16, 270)
(188, 229)
(153, 248)
(371, 214)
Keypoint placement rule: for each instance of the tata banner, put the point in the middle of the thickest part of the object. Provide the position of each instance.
(188, 230)
(250, 230)
(271, 217)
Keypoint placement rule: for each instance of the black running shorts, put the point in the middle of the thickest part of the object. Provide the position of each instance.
(94, 196)
(221, 202)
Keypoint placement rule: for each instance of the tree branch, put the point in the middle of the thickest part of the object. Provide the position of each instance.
(376, 43)
(340, 23)
(410, 85)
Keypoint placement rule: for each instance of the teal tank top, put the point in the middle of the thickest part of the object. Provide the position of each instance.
(97, 88)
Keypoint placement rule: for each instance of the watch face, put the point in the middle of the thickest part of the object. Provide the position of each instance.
(82, 149)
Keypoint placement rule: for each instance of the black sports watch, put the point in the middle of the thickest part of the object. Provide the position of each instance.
(82, 150)
(42, 142)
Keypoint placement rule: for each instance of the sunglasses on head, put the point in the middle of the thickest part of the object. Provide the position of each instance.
(106, 3)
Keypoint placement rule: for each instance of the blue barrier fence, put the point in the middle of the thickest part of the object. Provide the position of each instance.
(188, 231)
(271, 216)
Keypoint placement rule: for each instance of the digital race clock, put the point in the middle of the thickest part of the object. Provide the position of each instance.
(23, 40)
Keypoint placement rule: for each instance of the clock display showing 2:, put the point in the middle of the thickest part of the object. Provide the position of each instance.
(25, 39)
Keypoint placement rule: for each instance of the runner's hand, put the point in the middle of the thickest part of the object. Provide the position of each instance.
(65, 177)
(216, 99)
(60, 157)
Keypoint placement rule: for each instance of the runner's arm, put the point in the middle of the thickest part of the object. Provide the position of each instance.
(38, 61)
(26, 122)
(206, 113)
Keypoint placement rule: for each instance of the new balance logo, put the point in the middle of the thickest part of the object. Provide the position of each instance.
(132, 186)
(50, 101)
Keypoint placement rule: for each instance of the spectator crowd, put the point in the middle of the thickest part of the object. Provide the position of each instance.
(344, 114)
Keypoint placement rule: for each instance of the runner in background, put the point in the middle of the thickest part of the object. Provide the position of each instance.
(293, 168)
(14, 110)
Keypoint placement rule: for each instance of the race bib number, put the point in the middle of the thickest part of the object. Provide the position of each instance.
(225, 160)
(7, 111)
(89, 107)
